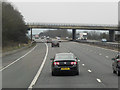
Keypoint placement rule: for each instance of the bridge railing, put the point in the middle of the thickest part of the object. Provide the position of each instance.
(71, 24)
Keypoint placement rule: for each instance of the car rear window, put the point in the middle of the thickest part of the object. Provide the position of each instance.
(64, 56)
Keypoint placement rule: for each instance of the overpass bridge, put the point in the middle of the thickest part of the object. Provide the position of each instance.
(110, 28)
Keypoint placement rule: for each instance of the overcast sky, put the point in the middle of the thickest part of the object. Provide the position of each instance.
(69, 12)
(72, 11)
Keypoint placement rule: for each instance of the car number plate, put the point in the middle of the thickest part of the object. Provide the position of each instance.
(65, 68)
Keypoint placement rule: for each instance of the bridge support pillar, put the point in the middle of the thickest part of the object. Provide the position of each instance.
(111, 35)
(31, 33)
(73, 34)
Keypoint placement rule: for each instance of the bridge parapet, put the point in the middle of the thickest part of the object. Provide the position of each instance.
(73, 26)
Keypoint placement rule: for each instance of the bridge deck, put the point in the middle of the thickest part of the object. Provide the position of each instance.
(73, 26)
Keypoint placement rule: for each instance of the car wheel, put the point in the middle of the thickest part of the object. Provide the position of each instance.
(53, 73)
(77, 73)
(114, 71)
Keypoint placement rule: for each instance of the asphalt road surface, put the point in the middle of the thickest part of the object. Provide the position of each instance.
(95, 67)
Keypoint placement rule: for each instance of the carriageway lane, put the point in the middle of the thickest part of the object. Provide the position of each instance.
(84, 80)
(97, 50)
(95, 59)
(6, 60)
(21, 73)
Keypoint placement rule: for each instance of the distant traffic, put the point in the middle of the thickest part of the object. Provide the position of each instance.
(61, 64)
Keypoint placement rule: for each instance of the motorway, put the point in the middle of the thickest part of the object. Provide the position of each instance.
(95, 67)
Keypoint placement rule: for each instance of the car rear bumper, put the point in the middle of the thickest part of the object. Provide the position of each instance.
(55, 44)
(58, 70)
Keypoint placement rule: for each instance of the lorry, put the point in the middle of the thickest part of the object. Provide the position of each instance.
(36, 36)
(82, 36)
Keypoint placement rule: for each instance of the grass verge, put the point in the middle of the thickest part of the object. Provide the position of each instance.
(16, 46)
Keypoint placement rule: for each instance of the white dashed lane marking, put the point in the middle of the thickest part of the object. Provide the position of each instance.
(78, 60)
(100, 54)
(99, 80)
(83, 64)
(89, 71)
(106, 56)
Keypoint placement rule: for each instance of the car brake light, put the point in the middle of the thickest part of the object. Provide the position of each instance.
(56, 63)
(73, 63)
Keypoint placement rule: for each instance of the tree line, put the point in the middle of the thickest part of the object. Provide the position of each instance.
(97, 35)
(93, 35)
(53, 33)
(13, 25)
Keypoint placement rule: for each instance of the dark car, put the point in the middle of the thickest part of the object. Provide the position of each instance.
(116, 65)
(65, 63)
(55, 44)
(42, 37)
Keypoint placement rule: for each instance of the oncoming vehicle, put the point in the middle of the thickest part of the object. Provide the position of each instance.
(116, 65)
(55, 43)
(64, 63)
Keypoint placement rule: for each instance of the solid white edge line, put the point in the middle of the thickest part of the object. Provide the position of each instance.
(40, 69)
(99, 80)
(17, 59)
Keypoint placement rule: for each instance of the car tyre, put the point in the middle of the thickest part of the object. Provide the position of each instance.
(114, 71)
(53, 73)
(52, 45)
(77, 73)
